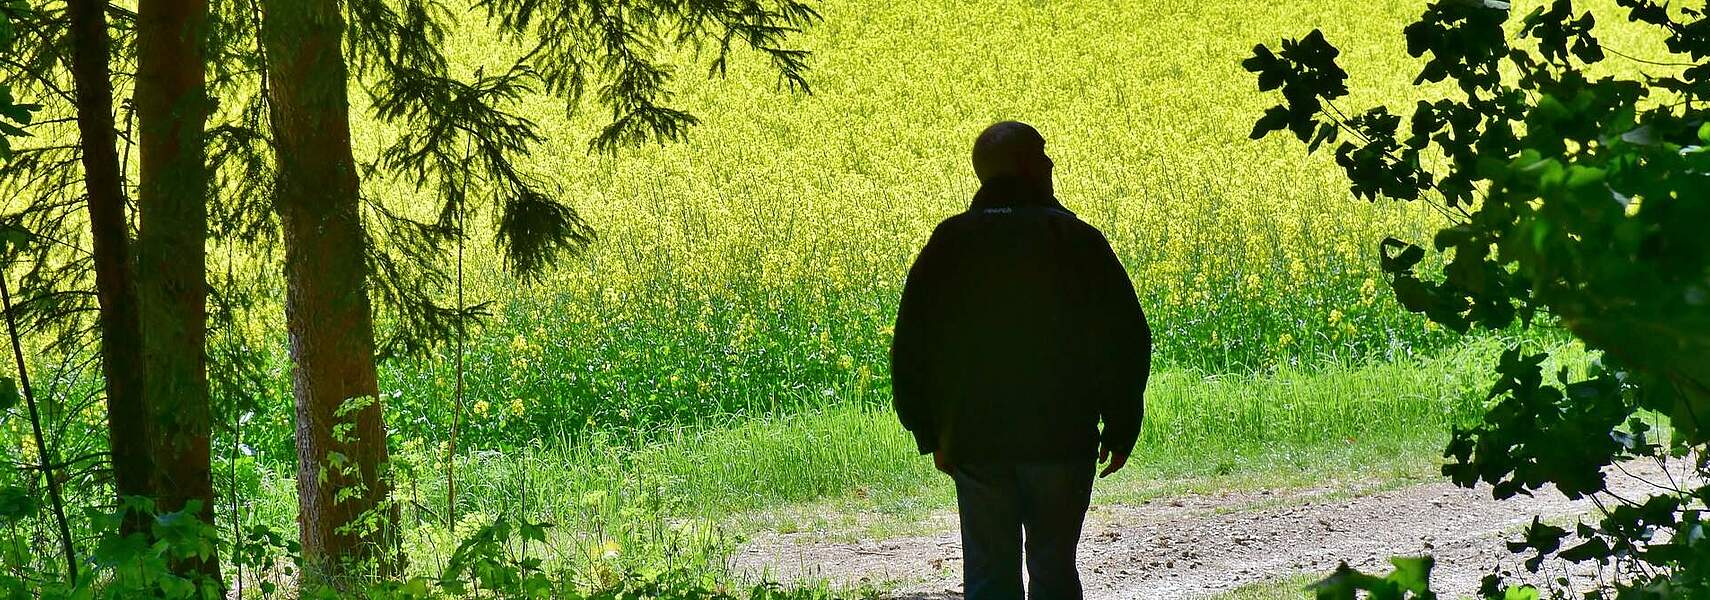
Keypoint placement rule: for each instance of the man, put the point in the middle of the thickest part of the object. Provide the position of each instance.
(1017, 334)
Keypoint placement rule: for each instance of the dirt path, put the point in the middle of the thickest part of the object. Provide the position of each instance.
(1200, 546)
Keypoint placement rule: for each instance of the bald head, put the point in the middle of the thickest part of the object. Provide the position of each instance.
(1011, 149)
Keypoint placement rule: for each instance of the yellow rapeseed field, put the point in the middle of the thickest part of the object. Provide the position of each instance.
(759, 263)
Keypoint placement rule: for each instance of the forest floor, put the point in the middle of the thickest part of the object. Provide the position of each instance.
(1206, 545)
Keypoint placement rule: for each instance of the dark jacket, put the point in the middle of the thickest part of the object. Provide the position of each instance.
(1017, 333)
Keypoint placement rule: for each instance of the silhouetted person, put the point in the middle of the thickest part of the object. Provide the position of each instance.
(1018, 333)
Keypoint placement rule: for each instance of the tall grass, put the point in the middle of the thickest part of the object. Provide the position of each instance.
(642, 494)
(685, 497)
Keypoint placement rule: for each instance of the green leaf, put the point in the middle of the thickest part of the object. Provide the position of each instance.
(1551, 108)
(1596, 548)
(1276, 118)
(1402, 261)
(12, 237)
(1579, 177)
(1540, 231)
(1549, 172)
(1704, 132)
(16, 504)
(8, 393)
(1413, 574)
(1454, 236)
(19, 113)
(1327, 132)
(1265, 63)
(114, 550)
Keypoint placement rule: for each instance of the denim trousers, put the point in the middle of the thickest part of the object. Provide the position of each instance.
(998, 503)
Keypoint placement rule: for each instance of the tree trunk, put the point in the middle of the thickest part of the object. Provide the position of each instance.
(172, 285)
(121, 335)
(341, 437)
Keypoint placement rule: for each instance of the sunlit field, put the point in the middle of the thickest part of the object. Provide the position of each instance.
(720, 351)
(755, 269)
(721, 348)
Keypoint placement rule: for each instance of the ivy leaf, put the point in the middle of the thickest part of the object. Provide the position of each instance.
(1595, 549)
(1272, 72)
(1276, 118)
(1402, 261)
(1451, 237)
(1541, 537)
(1327, 132)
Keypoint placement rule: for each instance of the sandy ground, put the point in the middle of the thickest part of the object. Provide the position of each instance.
(1201, 546)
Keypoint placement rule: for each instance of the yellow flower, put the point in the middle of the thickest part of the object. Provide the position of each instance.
(481, 407)
(1335, 316)
(516, 407)
(1285, 339)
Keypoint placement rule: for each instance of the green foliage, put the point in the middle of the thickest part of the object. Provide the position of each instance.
(1410, 579)
(464, 140)
(494, 563)
(1571, 194)
(486, 564)
(13, 115)
(617, 47)
(17, 504)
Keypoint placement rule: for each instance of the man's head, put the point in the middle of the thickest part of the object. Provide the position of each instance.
(1012, 149)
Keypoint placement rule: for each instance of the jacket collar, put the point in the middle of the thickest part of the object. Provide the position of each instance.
(1013, 193)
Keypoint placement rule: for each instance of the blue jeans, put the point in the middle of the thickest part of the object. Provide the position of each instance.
(997, 502)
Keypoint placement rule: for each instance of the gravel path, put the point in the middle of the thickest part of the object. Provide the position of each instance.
(1200, 546)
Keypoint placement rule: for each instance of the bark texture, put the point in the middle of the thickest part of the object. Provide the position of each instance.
(121, 334)
(172, 288)
(345, 519)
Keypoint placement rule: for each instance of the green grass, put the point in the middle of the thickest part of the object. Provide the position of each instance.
(689, 496)
(1312, 423)
(1290, 588)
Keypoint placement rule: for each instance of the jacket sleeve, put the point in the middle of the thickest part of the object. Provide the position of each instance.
(1127, 350)
(919, 318)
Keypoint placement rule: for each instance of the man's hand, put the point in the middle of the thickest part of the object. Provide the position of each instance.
(1117, 461)
(940, 462)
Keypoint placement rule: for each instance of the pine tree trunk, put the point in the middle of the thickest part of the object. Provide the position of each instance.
(121, 335)
(341, 437)
(172, 287)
